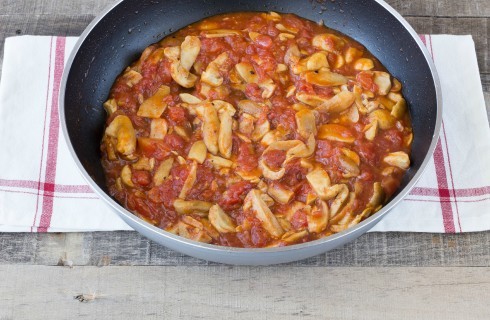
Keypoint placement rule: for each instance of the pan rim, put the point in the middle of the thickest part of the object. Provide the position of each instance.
(165, 235)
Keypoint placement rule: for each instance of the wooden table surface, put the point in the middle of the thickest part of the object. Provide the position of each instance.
(106, 275)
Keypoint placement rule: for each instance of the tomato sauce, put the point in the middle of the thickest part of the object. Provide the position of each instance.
(255, 130)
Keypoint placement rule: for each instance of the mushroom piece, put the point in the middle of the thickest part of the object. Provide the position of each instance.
(399, 109)
(310, 99)
(192, 207)
(268, 88)
(282, 27)
(110, 106)
(279, 193)
(349, 167)
(328, 42)
(192, 229)
(335, 132)
(225, 141)
(132, 77)
(325, 77)
(317, 218)
(317, 61)
(250, 107)
(292, 237)
(352, 54)
(378, 196)
(371, 130)
(181, 75)
(144, 163)
(154, 106)
(189, 181)
(210, 128)
(264, 214)
(163, 171)
(292, 54)
(219, 162)
(189, 98)
(158, 128)
(220, 220)
(122, 129)
(383, 81)
(305, 121)
(212, 75)
(198, 152)
(383, 117)
(247, 72)
(189, 50)
(320, 182)
(338, 103)
(363, 64)
(221, 33)
(398, 159)
(126, 176)
(260, 130)
(342, 192)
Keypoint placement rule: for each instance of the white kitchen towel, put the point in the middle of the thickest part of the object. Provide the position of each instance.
(41, 189)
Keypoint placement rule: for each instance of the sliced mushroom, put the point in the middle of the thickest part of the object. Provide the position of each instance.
(260, 130)
(268, 86)
(192, 229)
(352, 54)
(163, 171)
(383, 81)
(154, 106)
(126, 176)
(192, 207)
(282, 27)
(349, 167)
(351, 155)
(181, 75)
(110, 106)
(247, 72)
(172, 53)
(305, 121)
(378, 196)
(325, 77)
(264, 214)
(371, 130)
(246, 124)
(225, 132)
(383, 117)
(122, 129)
(158, 128)
(144, 163)
(317, 61)
(363, 64)
(221, 33)
(210, 129)
(189, 181)
(310, 99)
(198, 152)
(293, 237)
(250, 107)
(338, 103)
(292, 54)
(318, 217)
(335, 132)
(132, 77)
(398, 159)
(279, 193)
(341, 194)
(189, 50)
(212, 75)
(219, 162)
(281, 67)
(399, 109)
(189, 98)
(328, 42)
(220, 220)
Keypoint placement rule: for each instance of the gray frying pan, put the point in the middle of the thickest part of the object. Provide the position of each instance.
(119, 34)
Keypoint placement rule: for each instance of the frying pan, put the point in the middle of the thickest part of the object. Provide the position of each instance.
(119, 34)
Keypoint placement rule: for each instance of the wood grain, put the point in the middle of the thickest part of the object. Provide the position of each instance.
(129, 248)
(219, 292)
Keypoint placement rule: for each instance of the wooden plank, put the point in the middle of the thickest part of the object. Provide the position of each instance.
(441, 8)
(73, 25)
(219, 292)
(129, 248)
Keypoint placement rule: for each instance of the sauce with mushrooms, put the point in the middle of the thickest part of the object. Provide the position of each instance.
(255, 130)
